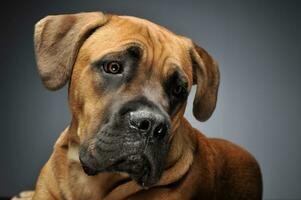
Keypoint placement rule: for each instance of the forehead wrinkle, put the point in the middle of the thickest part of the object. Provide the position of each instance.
(142, 35)
(186, 63)
(160, 43)
(160, 52)
(167, 43)
(121, 49)
(151, 49)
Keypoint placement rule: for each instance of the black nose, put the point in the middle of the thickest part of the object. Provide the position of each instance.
(149, 122)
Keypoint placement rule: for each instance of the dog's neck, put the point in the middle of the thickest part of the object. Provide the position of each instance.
(178, 163)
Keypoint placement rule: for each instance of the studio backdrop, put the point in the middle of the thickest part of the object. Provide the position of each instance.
(257, 46)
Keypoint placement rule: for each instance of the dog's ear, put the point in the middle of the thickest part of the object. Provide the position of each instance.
(206, 77)
(57, 40)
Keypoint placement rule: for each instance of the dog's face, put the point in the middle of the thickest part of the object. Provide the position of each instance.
(127, 93)
(129, 81)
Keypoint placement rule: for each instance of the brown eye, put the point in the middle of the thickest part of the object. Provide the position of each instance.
(178, 90)
(112, 67)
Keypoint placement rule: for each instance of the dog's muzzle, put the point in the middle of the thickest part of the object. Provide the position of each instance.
(134, 140)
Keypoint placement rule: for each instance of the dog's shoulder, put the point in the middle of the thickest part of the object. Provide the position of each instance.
(238, 170)
(231, 153)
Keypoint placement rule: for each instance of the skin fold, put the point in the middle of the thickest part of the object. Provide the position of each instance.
(129, 80)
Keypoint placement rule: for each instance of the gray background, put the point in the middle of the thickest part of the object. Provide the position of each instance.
(257, 44)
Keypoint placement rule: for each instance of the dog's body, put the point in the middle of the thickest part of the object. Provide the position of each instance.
(135, 152)
(209, 169)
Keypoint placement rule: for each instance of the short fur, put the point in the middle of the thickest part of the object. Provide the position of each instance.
(196, 167)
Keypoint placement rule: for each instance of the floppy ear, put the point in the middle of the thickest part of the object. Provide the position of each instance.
(57, 40)
(206, 76)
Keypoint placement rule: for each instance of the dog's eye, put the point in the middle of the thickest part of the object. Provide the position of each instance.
(179, 91)
(113, 67)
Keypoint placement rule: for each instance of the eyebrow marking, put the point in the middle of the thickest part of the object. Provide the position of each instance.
(121, 52)
(129, 56)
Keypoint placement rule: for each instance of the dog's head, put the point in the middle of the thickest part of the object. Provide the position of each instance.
(129, 82)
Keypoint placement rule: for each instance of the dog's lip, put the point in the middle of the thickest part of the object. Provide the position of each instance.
(143, 179)
(138, 166)
(138, 163)
(89, 171)
(141, 169)
(130, 159)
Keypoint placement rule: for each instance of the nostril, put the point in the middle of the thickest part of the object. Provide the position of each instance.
(160, 130)
(144, 125)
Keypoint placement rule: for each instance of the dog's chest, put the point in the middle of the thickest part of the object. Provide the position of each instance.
(85, 187)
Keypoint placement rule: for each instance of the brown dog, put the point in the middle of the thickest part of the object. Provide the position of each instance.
(128, 84)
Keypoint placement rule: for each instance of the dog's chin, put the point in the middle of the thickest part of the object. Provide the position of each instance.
(139, 168)
(89, 171)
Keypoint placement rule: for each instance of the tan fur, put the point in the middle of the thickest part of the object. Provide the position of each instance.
(196, 167)
(207, 80)
(57, 41)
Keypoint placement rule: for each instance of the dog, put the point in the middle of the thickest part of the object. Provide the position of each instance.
(129, 80)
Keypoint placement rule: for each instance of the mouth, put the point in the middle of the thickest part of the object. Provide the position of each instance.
(138, 166)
